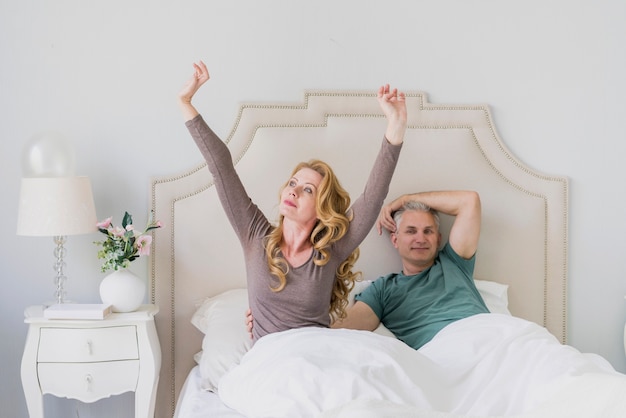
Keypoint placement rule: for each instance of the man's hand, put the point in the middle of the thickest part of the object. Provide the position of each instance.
(249, 322)
(385, 217)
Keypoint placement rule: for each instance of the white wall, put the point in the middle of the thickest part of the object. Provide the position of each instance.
(105, 74)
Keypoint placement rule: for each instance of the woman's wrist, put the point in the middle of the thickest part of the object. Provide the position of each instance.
(188, 110)
(395, 132)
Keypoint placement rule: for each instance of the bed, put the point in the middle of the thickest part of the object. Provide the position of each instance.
(198, 277)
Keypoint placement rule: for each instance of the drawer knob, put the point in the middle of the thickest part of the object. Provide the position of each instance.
(89, 347)
(89, 381)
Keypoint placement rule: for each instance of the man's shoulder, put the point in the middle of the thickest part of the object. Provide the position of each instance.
(376, 288)
(387, 277)
(386, 282)
(448, 252)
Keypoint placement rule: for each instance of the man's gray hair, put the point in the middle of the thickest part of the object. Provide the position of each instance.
(416, 206)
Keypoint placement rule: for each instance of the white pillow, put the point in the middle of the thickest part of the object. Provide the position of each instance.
(495, 295)
(222, 319)
(358, 288)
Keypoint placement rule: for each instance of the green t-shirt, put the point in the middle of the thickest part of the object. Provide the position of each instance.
(416, 307)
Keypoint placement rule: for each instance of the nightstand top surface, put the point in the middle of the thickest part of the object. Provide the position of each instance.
(34, 314)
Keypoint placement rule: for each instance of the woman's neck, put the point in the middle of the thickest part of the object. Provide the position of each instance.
(296, 246)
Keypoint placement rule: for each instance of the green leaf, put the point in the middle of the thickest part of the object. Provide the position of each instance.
(128, 220)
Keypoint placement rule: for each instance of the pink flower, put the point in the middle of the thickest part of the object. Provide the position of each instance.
(105, 223)
(124, 243)
(143, 244)
(117, 231)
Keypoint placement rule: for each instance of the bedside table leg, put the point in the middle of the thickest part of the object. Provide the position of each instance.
(35, 407)
(150, 366)
(30, 382)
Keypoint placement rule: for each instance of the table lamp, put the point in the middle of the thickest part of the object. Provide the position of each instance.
(56, 207)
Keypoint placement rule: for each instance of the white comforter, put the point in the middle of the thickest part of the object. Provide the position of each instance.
(486, 365)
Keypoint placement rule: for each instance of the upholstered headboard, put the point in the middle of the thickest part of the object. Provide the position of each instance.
(196, 254)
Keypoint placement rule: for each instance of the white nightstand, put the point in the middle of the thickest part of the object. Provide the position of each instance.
(92, 359)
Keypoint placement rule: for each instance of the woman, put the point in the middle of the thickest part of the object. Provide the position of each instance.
(300, 270)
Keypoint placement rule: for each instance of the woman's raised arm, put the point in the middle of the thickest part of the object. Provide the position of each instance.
(199, 77)
(393, 104)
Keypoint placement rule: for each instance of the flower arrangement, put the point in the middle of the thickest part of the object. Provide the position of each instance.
(124, 244)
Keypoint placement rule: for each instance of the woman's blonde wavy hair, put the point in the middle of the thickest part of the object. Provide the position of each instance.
(331, 205)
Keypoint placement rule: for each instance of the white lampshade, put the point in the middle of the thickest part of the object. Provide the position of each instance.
(56, 206)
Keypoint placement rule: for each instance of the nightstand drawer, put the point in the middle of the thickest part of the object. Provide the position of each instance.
(88, 382)
(74, 345)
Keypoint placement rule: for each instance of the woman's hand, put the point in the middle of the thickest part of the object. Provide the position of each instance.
(199, 77)
(393, 104)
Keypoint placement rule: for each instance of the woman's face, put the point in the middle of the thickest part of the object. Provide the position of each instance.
(297, 200)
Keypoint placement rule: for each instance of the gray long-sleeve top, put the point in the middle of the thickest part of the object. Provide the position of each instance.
(305, 300)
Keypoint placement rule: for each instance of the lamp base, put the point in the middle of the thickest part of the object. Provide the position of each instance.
(59, 268)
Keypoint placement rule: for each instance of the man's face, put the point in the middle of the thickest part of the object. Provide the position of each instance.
(417, 240)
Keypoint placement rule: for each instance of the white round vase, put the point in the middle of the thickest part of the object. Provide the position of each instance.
(123, 290)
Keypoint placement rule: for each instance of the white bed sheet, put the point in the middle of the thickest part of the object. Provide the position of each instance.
(486, 365)
(195, 402)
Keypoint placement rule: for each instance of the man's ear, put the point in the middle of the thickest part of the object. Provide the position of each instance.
(394, 239)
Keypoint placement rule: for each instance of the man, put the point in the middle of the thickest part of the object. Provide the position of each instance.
(435, 287)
